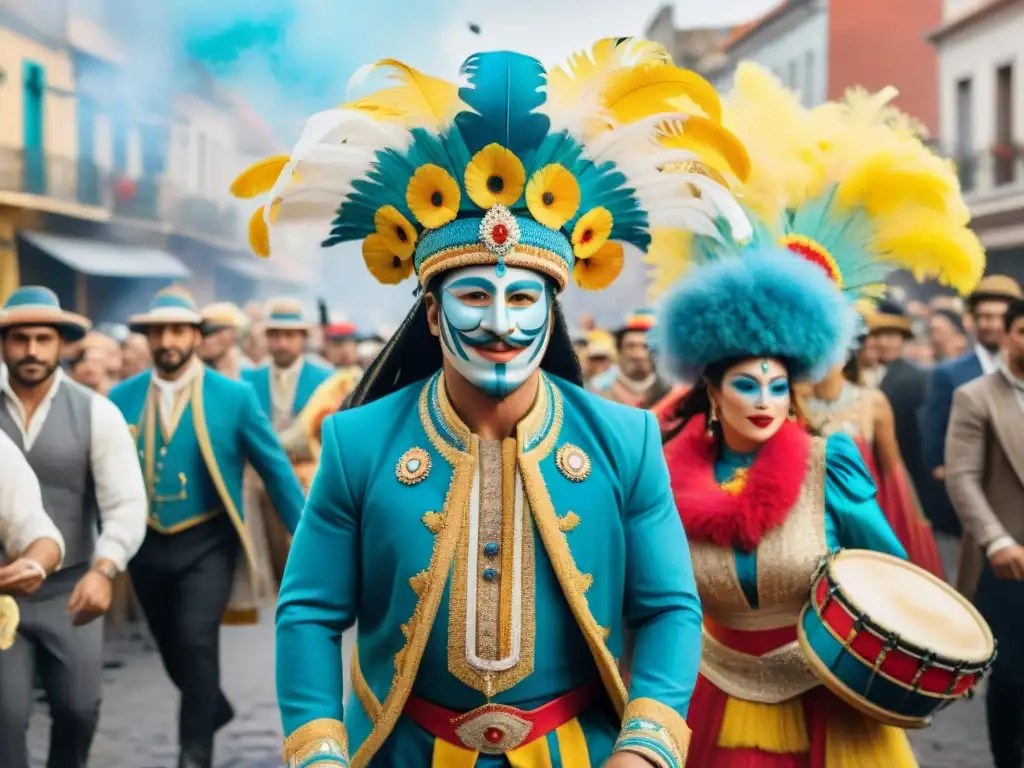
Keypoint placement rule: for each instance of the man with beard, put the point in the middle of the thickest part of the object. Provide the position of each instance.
(637, 384)
(489, 527)
(195, 429)
(82, 452)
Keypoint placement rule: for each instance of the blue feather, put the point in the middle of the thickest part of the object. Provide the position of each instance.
(504, 90)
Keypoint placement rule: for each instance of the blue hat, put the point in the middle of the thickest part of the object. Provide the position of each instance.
(551, 170)
(171, 306)
(37, 305)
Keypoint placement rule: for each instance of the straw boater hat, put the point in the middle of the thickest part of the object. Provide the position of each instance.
(995, 288)
(171, 306)
(221, 316)
(285, 315)
(36, 305)
(889, 315)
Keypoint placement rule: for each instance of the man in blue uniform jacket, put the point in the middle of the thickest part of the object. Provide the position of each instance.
(195, 431)
(490, 528)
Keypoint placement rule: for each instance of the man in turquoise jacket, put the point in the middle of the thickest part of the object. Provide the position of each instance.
(490, 528)
(195, 430)
(285, 384)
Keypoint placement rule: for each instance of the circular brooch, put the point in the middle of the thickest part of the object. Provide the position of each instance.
(413, 467)
(573, 463)
(499, 230)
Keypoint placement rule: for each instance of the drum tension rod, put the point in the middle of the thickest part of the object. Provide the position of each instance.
(892, 642)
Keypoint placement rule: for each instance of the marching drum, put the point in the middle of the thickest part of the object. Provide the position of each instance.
(890, 639)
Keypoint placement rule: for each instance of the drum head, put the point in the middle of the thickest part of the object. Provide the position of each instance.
(914, 604)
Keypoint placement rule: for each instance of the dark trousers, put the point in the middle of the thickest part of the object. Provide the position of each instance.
(1004, 708)
(69, 662)
(183, 582)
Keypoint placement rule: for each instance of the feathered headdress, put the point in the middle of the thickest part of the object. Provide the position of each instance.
(550, 170)
(847, 191)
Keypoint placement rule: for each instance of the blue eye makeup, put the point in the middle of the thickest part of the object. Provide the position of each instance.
(778, 388)
(747, 386)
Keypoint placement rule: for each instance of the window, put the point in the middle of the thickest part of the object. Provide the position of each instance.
(33, 132)
(964, 150)
(1005, 150)
(810, 99)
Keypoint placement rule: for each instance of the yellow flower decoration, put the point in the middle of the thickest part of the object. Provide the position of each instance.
(495, 176)
(433, 196)
(591, 232)
(553, 196)
(383, 263)
(398, 233)
(601, 269)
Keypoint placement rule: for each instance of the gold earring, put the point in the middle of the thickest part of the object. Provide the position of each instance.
(712, 418)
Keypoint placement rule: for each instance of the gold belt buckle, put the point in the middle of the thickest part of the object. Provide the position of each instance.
(492, 729)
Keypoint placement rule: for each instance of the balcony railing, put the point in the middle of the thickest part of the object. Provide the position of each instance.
(60, 178)
(995, 172)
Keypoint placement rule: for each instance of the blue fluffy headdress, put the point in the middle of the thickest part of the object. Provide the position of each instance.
(516, 165)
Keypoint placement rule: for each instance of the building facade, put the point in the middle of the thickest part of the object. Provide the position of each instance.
(981, 117)
(820, 48)
(110, 188)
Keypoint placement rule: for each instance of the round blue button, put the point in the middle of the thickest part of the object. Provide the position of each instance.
(491, 548)
(490, 574)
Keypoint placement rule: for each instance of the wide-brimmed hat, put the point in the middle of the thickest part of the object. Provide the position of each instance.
(889, 315)
(221, 316)
(171, 306)
(285, 315)
(37, 305)
(995, 288)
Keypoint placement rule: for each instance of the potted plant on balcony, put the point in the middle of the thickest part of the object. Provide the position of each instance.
(1006, 150)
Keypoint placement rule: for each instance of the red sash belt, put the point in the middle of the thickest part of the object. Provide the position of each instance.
(753, 642)
(495, 728)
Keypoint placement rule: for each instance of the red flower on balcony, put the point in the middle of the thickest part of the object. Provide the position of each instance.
(1005, 151)
(125, 189)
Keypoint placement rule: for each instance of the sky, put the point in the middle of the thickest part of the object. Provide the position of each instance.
(289, 58)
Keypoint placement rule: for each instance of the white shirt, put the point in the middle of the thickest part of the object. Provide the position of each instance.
(171, 405)
(116, 473)
(22, 517)
(284, 383)
(990, 361)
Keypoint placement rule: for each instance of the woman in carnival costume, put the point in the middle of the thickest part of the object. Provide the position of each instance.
(762, 500)
(443, 518)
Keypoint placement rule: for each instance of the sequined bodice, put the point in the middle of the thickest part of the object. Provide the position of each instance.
(851, 413)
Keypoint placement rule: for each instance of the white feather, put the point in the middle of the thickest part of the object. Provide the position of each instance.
(724, 202)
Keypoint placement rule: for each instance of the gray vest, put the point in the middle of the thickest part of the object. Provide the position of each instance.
(61, 459)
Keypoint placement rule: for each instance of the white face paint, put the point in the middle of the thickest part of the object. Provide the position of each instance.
(494, 330)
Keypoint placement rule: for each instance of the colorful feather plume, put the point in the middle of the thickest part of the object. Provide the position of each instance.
(850, 186)
(614, 146)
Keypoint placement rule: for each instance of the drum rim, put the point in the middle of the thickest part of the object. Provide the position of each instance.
(846, 694)
(972, 665)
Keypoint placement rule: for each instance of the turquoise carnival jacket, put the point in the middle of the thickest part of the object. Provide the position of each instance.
(224, 418)
(311, 376)
(384, 544)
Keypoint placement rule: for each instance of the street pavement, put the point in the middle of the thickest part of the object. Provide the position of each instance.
(138, 724)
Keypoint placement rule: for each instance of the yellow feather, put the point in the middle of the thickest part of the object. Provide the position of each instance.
(669, 257)
(419, 101)
(258, 178)
(712, 143)
(881, 185)
(588, 69)
(929, 246)
(259, 234)
(639, 92)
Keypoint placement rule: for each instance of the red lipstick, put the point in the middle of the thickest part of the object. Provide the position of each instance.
(761, 422)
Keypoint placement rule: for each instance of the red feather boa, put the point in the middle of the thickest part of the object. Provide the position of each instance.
(736, 520)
